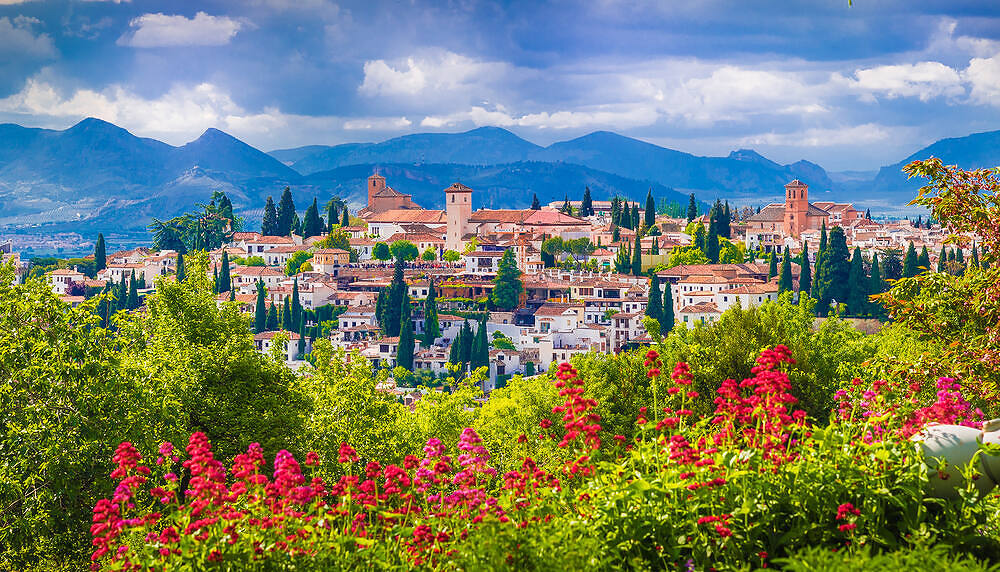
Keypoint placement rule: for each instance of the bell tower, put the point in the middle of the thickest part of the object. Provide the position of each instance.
(375, 184)
(796, 208)
(458, 209)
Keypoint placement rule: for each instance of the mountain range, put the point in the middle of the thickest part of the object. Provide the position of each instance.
(97, 176)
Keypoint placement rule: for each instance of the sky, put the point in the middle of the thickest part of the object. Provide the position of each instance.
(848, 86)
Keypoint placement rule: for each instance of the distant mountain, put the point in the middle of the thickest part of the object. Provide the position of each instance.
(509, 185)
(482, 146)
(741, 172)
(976, 151)
(289, 156)
(49, 176)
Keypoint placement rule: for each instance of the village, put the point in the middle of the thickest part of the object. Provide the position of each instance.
(586, 279)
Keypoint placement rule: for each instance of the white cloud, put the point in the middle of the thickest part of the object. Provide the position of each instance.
(377, 123)
(161, 30)
(17, 40)
(865, 134)
(924, 80)
(434, 72)
(600, 117)
(983, 75)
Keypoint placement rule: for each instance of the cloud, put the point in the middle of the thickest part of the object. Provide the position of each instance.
(161, 30)
(865, 134)
(603, 116)
(924, 80)
(435, 72)
(17, 40)
(983, 75)
(377, 123)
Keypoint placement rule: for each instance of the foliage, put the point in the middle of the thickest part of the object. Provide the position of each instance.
(205, 229)
(336, 238)
(451, 256)
(683, 255)
(404, 250)
(507, 287)
(294, 264)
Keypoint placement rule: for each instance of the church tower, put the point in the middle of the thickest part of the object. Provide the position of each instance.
(376, 183)
(458, 209)
(796, 208)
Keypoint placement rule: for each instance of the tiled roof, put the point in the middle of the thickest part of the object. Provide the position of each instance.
(701, 308)
(409, 215)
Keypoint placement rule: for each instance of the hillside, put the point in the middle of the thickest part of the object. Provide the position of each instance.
(975, 151)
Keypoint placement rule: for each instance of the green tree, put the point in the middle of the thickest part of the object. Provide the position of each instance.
(857, 286)
(567, 208)
(480, 348)
(269, 224)
(345, 221)
(635, 217)
(650, 212)
(623, 259)
(942, 259)
(455, 352)
(296, 224)
(820, 253)
(467, 339)
(586, 204)
(312, 224)
(535, 205)
(654, 304)
(875, 286)
(381, 251)
(100, 254)
(429, 255)
(272, 318)
(451, 256)
(924, 261)
(772, 267)
(712, 246)
(225, 279)
(181, 273)
(692, 210)
(287, 320)
(892, 266)
(667, 323)
(432, 329)
(637, 257)
(404, 352)
(832, 272)
(507, 286)
(296, 307)
(286, 213)
(260, 311)
(785, 283)
(805, 272)
(699, 237)
(910, 263)
(404, 250)
(295, 262)
(974, 258)
(394, 300)
(132, 302)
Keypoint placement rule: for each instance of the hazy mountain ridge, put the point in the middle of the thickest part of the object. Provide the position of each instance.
(975, 151)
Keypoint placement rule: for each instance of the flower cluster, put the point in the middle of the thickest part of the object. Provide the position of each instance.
(578, 419)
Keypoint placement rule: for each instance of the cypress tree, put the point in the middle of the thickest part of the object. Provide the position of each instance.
(616, 234)
(655, 249)
(302, 340)
(875, 286)
(287, 321)
(181, 275)
(857, 286)
(121, 295)
(832, 272)
(467, 339)
(272, 319)
(960, 256)
(296, 305)
(332, 216)
(566, 208)
(380, 304)
(699, 237)
(232, 294)
(225, 280)
(892, 267)
(480, 355)
(132, 302)
(623, 259)
(910, 262)
(269, 226)
(215, 279)
(507, 286)
(692, 212)
(404, 351)
(650, 212)
(296, 224)
(286, 213)
(820, 253)
(772, 268)
(635, 217)
(975, 256)
(100, 254)
(260, 311)
(654, 304)
(312, 225)
(923, 261)
(394, 300)
(667, 323)
(868, 214)
(805, 273)
(535, 204)
(942, 258)
(432, 329)
(951, 255)
(586, 204)
(346, 220)
(637, 257)
(725, 230)
(712, 246)
(455, 354)
(785, 282)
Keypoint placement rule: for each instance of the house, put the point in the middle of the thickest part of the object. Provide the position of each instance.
(279, 255)
(326, 260)
(63, 278)
(264, 341)
(798, 215)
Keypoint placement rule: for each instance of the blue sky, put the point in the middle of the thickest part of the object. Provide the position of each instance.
(849, 87)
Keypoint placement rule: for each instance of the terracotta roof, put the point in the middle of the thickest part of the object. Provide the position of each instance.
(256, 271)
(65, 272)
(270, 335)
(409, 215)
(555, 309)
(458, 188)
(331, 251)
(287, 248)
(701, 308)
